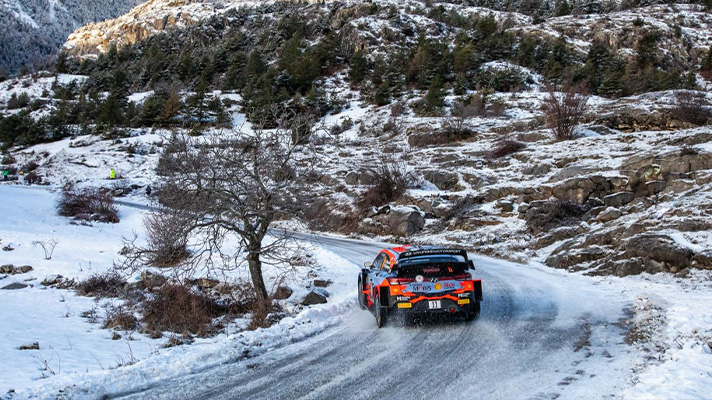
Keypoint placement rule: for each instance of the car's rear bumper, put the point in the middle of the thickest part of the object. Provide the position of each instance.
(426, 305)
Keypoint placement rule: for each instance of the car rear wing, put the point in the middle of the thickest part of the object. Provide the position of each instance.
(432, 252)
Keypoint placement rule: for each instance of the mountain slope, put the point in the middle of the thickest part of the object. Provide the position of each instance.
(31, 31)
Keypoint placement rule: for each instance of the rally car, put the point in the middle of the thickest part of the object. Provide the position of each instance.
(419, 280)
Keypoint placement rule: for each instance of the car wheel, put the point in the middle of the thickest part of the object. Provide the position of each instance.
(361, 295)
(380, 314)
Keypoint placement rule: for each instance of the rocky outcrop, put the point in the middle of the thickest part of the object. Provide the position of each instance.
(443, 179)
(402, 221)
(660, 248)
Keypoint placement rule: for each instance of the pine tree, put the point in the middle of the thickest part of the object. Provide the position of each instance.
(435, 98)
(357, 68)
(255, 65)
(563, 9)
(196, 102)
(171, 108)
(382, 95)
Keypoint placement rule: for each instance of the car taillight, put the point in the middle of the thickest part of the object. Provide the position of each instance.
(399, 281)
(462, 277)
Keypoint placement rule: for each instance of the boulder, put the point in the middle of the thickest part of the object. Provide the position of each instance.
(402, 221)
(52, 280)
(25, 269)
(151, 280)
(444, 180)
(660, 248)
(618, 199)
(556, 235)
(633, 266)
(30, 346)
(282, 293)
(654, 187)
(352, 178)
(609, 214)
(206, 283)
(14, 286)
(315, 297)
(574, 257)
(322, 283)
(537, 169)
(505, 205)
(362, 177)
(703, 260)
(7, 269)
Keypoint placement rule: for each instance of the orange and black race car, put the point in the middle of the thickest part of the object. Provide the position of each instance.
(420, 280)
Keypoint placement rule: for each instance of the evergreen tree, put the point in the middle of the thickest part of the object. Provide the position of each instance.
(172, 107)
(646, 49)
(563, 9)
(435, 98)
(357, 68)
(235, 76)
(196, 102)
(255, 65)
(382, 96)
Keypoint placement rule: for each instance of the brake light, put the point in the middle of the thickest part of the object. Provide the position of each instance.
(462, 277)
(399, 281)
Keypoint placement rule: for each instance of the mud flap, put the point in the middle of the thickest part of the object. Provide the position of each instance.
(385, 297)
(478, 290)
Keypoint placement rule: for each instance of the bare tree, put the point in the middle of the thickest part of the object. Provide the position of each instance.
(222, 193)
(564, 110)
(460, 115)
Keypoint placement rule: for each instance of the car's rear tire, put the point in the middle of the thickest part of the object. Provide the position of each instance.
(361, 294)
(380, 314)
(474, 312)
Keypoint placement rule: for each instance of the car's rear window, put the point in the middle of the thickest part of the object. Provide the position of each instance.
(432, 268)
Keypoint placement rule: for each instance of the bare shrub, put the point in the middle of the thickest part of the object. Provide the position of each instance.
(564, 111)
(390, 181)
(87, 204)
(507, 147)
(177, 308)
(33, 178)
(554, 214)
(108, 284)
(120, 318)
(690, 107)
(397, 109)
(30, 166)
(48, 246)
(167, 240)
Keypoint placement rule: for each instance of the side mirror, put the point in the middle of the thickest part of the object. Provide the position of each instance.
(368, 264)
(471, 264)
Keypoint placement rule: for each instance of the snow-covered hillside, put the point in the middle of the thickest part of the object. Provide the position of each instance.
(32, 31)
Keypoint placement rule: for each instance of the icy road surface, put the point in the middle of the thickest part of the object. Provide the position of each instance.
(542, 334)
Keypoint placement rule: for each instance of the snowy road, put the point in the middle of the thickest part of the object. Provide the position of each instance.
(542, 334)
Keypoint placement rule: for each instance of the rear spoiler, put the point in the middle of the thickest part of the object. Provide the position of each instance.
(431, 252)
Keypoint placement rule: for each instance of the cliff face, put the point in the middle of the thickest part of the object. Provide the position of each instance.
(32, 31)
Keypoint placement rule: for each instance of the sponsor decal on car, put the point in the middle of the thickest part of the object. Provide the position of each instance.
(430, 287)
